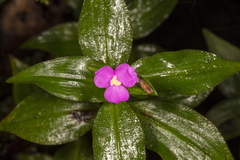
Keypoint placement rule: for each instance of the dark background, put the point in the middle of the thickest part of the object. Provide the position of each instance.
(22, 19)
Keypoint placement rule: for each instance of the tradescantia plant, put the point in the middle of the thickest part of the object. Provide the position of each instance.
(100, 91)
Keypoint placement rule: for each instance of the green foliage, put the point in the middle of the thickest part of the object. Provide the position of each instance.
(105, 32)
(66, 77)
(179, 71)
(147, 15)
(40, 156)
(117, 133)
(60, 40)
(46, 2)
(225, 115)
(45, 119)
(71, 105)
(80, 149)
(20, 91)
(230, 87)
(172, 130)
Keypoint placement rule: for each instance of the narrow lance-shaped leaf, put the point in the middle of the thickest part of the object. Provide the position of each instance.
(221, 47)
(80, 149)
(231, 86)
(117, 133)
(20, 91)
(60, 40)
(45, 119)
(226, 117)
(147, 15)
(178, 132)
(66, 77)
(186, 72)
(105, 32)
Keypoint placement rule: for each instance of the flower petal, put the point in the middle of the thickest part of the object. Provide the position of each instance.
(126, 75)
(116, 94)
(103, 77)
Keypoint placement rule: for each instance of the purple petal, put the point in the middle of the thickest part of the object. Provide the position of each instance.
(126, 75)
(103, 77)
(116, 94)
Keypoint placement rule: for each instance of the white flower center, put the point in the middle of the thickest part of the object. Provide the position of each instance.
(115, 82)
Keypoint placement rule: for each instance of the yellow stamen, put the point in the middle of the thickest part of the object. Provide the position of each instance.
(115, 82)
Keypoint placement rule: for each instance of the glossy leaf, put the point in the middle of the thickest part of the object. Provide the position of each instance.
(147, 15)
(144, 50)
(190, 101)
(78, 150)
(66, 77)
(105, 32)
(186, 72)
(20, 91)
(231, 86)
(38, 156)
(45, 119)
(226, 117)
(60, 40)
(178, 132)
(117, 133)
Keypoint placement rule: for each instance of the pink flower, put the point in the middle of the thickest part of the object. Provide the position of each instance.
(114, 81)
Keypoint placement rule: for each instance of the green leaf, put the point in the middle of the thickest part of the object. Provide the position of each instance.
(38, 156)
(78, 150)
(186, 72)
(117, 133)
(147, 15)
(231, 86)
(66, 77)
(60, 40)
(138, 91)
(20, 91)
(221, 47)
(226, 117)
(105, 32)
(76, 6)
(178, 132)
(17, 65)
(45, 119)
(144, 50)
(190, 101)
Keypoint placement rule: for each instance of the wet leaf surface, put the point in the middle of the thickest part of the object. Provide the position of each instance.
(147, 15)
(178, 132)
(45, 119)
(186, 72)
(80, 149)
(231, 86)
(105, 32)
(117, 133)
(60, 40)
(20, 91)
(226, 117)
(66, 77)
